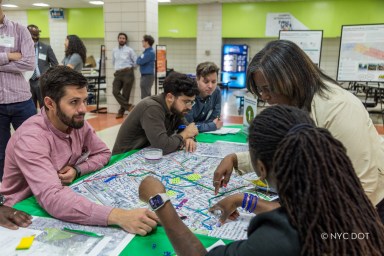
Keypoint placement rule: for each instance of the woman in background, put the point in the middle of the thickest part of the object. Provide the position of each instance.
(75, 53)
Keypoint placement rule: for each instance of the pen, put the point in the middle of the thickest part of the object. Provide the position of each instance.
(183, 126)
(83, 232)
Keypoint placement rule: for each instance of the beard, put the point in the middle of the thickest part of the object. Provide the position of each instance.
(177, 112)
(122, 44)
(70, 122)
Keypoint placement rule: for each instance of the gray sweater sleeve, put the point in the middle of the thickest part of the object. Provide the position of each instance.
(153, 122)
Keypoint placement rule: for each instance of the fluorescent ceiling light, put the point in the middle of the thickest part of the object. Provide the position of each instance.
(163, 1)
(96, 2)
(9, 5)
(41, 4)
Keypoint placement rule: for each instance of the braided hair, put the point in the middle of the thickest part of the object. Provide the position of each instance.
(316, 182)
(75, 45)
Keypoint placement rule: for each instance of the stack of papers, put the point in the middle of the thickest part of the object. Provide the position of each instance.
(225, 130)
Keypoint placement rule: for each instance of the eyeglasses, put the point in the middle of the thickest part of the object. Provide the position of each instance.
(189, 103)
(265, 89)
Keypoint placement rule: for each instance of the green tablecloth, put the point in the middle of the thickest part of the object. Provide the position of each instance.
(143, 246)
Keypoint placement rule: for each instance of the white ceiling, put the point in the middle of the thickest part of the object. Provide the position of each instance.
(27, 4)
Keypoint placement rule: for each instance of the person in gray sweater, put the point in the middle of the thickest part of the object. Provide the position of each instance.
(158, 121)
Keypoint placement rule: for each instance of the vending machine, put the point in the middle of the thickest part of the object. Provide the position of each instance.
(234, 65)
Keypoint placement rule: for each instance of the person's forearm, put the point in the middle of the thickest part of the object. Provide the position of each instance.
(183, 240)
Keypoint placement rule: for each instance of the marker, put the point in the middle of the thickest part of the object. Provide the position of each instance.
(83, 232)
(183, 126)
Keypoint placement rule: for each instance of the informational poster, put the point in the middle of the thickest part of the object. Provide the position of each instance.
(282, 21)
(161, 60)
(361, 57)
(309, 41)
(250, 111)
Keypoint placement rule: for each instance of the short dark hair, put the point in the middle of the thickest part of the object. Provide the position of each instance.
(33, 26)
(54, 81)
(177, 84)
(206, 68)
(122, 34)
(149, 39)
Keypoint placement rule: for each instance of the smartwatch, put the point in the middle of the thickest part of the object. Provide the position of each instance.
(157, 201)
(2, 199)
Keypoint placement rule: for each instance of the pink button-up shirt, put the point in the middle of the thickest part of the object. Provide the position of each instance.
(34, 155)
(15, 38)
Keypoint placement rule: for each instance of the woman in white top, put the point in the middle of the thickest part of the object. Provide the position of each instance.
(281, 73)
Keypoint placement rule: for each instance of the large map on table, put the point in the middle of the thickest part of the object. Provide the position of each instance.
(188, 181)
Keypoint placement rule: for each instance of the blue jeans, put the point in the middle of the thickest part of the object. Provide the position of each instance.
(15, 114)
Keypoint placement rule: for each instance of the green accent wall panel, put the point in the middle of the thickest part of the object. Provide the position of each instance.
(86, 22)
(178, 21)
(248, 20)
(39, 18)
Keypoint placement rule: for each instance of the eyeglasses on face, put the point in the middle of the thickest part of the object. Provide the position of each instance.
(189, 103)
(264, 89)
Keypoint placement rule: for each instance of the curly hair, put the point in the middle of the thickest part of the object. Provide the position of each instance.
(75, 45)
(177, 83)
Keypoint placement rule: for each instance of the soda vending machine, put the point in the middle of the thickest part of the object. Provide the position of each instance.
(234, 65)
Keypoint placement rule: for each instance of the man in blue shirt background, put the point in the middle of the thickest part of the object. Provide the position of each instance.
(206, 112)
(147, 66)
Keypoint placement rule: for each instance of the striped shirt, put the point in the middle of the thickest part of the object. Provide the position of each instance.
(15, 38)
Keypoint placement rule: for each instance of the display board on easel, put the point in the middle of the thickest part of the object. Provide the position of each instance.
(310, 41)
(161, 67)
(361, 56)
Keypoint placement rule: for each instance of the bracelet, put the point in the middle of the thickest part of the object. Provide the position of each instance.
(245, 198)
(254, 207)
(250, 201)
(78, 172)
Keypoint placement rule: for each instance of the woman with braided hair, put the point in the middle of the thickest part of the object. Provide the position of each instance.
(281, 73)
(319, 191)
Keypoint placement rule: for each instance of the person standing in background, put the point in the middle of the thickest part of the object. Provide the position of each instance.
(16, 57)
(123, 60)
(44, 59)
(75, 53)
(206, 112)
(147, 66)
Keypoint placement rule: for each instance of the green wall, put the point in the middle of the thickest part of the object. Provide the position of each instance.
(86, 22)
(40, 18)
(179, 21)
(248, 20)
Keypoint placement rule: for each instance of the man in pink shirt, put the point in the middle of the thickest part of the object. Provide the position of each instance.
(17, 55)
(53, 148)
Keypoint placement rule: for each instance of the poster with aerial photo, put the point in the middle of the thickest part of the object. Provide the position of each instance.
(308, 40)
(361, 56)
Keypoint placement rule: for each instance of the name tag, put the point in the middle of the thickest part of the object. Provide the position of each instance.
(42, 56)
(7, 41)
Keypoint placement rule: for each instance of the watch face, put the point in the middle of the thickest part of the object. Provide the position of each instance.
(156, 202)
(2, 199)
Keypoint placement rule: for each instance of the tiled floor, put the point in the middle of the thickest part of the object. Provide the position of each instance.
(107, 126)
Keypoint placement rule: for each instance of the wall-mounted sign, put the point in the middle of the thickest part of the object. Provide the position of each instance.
(56, 13)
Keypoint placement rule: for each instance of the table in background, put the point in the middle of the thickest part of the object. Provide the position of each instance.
(142, 245)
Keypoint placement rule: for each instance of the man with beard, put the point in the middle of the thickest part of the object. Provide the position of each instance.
(206, 112)
(158, 121)
(55, 147)
(123, 60)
